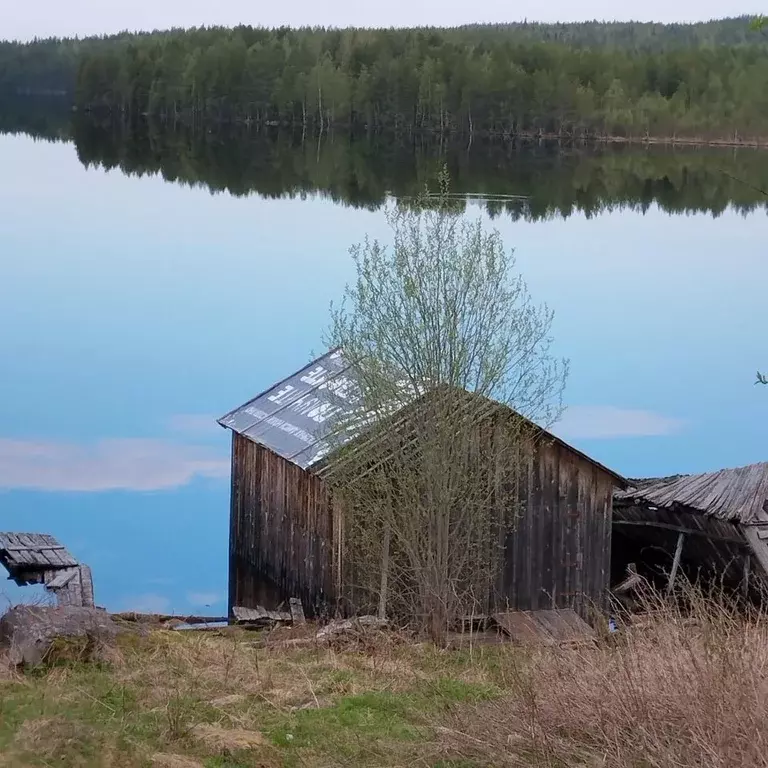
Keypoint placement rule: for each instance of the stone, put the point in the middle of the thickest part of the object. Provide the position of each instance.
(30, 634)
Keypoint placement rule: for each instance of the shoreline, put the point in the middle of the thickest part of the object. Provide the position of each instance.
(310, 131)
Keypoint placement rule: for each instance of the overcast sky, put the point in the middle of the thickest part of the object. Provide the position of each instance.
(43, 18)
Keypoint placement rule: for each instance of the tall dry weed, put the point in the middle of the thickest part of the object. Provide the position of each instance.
(681, 688)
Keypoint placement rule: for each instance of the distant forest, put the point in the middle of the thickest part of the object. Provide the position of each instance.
(702, 81)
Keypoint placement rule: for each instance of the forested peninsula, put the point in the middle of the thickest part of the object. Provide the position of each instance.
(700, 82)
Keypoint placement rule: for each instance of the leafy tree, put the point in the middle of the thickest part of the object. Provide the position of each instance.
(438, 330)
(698, 81)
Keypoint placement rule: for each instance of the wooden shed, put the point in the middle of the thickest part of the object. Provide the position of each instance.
(286, 531)
(711, 528)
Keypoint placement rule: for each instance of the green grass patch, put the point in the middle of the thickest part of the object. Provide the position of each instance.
(315, 707)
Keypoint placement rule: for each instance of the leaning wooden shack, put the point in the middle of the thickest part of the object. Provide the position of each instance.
(36, 558)
(712, 528)
(287, 530)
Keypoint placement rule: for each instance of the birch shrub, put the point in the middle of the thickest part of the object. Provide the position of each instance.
(440, 331)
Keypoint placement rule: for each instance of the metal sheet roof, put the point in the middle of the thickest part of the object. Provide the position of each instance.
(739, 494)
(295, 417)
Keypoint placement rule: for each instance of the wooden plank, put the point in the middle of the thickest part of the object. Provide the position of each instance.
(522, 628)
(745, 577)
(61, 579)
(259, 614)
(759, 549)
(570, 520)
(297, 611)
(576, 626)
(33, 542)
(688, 530)
(86, 586)
(233, 525)
(555, 624)
(533, 529)
(20, 554)
(676, 561)
(72, 593)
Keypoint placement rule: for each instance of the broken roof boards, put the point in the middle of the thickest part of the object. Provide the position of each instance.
(32, 551)
(37, 558)
(717, 522)
(738, 495)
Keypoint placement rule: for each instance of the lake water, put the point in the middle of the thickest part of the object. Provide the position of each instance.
(135, 310)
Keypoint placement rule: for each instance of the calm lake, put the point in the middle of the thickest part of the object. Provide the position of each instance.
(151, 281)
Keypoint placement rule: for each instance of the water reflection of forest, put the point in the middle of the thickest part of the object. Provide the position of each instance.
(556, 179)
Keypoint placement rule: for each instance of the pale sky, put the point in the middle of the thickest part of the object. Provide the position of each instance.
(43, 18)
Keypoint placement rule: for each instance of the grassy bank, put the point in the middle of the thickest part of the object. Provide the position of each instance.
(672, 692)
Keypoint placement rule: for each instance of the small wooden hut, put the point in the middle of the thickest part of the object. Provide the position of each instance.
(712, 528)
(286, 531)
(36, 558)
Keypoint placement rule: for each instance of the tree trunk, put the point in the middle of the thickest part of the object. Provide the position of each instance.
(385, 568)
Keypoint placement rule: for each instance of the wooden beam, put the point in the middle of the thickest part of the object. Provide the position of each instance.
(62, 578)
(745, 577)
(682, 529)
(676, 561)
(385, 544)
(297, 611)
(760, 551)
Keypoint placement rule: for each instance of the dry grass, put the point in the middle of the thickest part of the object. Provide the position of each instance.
(684, 691)
(678, 691)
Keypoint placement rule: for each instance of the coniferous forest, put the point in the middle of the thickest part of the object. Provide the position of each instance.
(704, 81)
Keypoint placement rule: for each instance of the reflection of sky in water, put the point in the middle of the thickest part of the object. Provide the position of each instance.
(133, 311)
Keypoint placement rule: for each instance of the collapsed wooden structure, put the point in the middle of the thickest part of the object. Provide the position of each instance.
(36, 558)
(287, 530)
(711, 527)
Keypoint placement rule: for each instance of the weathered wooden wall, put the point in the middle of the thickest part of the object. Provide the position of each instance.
(280, 530)
(558, 552)
(555, 544)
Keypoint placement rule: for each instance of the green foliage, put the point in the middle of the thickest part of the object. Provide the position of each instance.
(593, 79)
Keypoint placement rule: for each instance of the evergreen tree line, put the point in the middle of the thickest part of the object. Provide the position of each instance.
(581, 79)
